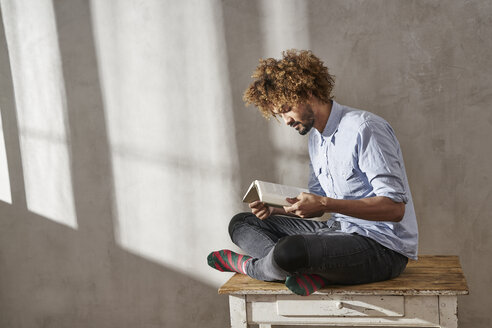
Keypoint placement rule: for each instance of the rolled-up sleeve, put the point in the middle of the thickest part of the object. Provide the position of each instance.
(381, 160)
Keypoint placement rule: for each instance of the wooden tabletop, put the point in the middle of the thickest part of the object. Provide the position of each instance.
(430, 275)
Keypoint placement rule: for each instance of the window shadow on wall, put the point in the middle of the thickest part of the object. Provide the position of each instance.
(56, 276)
(10, 127)
(243, 36)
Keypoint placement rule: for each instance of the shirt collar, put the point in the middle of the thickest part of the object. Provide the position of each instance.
(333, 121)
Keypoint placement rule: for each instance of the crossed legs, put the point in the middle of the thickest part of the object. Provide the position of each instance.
(307, 254)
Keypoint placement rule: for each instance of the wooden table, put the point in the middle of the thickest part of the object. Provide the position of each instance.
(425, 295)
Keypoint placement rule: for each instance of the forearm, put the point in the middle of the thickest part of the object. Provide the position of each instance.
(373, 209)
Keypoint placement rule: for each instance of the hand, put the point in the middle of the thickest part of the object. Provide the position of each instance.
(261, 210)
(306, 205)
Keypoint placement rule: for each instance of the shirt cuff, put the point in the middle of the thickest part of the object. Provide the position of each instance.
(394, 196)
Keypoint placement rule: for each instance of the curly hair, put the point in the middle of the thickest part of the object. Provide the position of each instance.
(288, 82)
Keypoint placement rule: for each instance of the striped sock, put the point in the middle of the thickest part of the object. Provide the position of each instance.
(305, 284)
(228, 261)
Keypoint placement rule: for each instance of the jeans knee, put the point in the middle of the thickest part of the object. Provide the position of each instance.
(237, 219)
(291, 253)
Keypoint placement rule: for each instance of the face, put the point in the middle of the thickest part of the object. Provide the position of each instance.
(300, 117)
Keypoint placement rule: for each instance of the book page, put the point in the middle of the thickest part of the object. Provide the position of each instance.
(275, 194)
(252, 194)
(281, 190)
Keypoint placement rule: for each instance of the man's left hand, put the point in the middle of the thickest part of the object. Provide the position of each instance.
(306, 205)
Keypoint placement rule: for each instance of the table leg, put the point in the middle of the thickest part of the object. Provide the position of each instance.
(237, 306)
(448, 312)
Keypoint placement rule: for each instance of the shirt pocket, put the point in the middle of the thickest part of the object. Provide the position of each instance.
(351, 182)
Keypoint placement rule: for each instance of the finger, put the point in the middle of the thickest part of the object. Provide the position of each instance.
(254, 204)
(300, 213)
(262, 215)
(263, 212)
(292, 200)
(256, 210)
(291, 208)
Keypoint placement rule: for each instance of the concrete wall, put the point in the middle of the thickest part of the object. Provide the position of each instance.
(125, 146)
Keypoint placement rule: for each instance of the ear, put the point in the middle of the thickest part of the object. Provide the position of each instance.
(311, 98)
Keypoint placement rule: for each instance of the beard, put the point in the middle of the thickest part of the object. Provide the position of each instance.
(304, 128)
(306, 123)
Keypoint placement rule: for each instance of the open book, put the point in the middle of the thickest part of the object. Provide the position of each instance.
(272, 194)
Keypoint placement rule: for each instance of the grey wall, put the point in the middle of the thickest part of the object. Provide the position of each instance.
(125, 145)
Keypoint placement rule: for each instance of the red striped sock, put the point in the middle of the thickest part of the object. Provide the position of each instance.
(305, 284)
(228, 261)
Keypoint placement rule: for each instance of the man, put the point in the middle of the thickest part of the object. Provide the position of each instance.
(356, 173)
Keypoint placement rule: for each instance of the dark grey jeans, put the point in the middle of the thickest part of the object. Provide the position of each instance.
(282, 246)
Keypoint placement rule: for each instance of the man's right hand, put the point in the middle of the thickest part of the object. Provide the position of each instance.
(261, 210)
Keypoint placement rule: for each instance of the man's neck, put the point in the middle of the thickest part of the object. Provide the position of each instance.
(322, 113)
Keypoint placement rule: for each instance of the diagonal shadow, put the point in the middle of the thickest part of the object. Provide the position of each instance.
(92, 176)
(244, 48)
(170, 295)
(54, 276)
(51, 277)
(10, 126)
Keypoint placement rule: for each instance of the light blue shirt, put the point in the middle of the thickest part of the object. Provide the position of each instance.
(358, 156)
